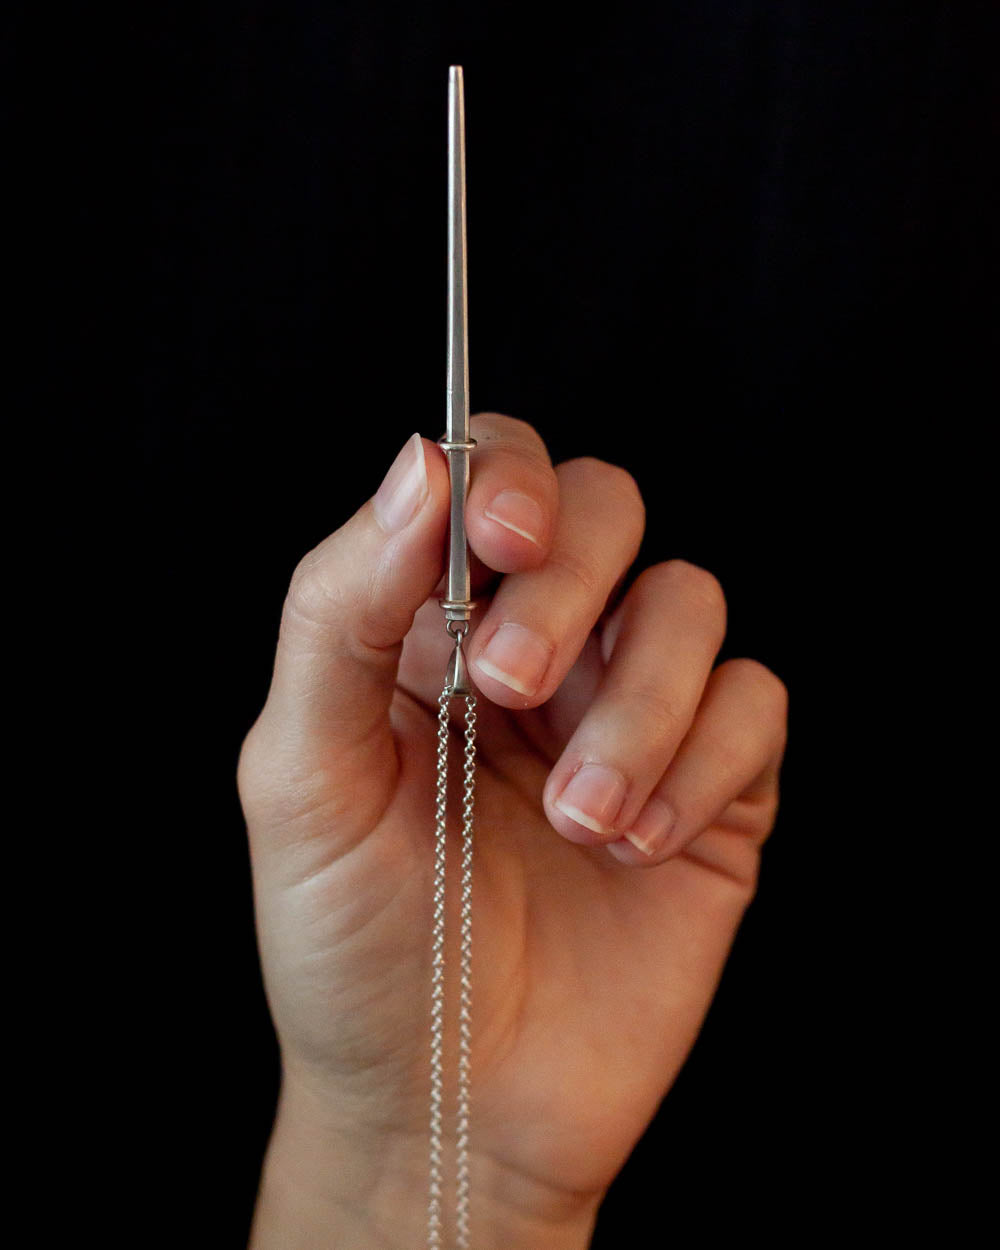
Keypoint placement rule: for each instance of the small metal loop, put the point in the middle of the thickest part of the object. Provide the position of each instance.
(446, 444)
(457, 678)
(457, 629)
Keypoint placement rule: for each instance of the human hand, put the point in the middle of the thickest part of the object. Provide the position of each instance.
(594, 960)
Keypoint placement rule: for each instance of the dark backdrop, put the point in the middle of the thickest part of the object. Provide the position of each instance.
(732, 246)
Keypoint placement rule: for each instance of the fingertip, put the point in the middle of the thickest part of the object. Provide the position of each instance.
(585, 808)
(651, 839)
(625, 852)
(511, 511)
(511, 532)
(519, 514)
(437, 468)
(497, 692)
(570, 825)
(511, 664)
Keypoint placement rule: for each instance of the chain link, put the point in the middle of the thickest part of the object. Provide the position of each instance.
(437, 979)
(462, 1200)
(465, 1000)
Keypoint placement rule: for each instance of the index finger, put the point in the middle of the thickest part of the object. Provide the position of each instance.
(513, 494)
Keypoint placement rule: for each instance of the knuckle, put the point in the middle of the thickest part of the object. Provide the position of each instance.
(626, 485)
(252, 770)
(610, 479)
(620, 482)
(278, 787)
(336, 611)
(661, 720)
(246, 767)
(579, 569)
(700, 588)
(491, 427)
(313, 599)
(768, 692)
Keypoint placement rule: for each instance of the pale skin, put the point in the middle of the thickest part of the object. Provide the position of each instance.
(595, 954)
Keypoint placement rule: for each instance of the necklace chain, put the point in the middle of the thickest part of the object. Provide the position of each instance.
(462, 1191)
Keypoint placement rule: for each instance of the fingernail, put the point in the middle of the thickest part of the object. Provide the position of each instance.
(593, 796)
(652, 827)
(403, 489)
(517, 512)
(517, 657)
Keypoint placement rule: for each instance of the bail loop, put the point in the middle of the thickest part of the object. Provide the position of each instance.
(457, 679)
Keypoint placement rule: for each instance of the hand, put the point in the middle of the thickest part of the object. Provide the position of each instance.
(602, 915)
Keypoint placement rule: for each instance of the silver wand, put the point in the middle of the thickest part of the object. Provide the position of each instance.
(457, 606)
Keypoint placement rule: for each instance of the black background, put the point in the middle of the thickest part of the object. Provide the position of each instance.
(735, 247)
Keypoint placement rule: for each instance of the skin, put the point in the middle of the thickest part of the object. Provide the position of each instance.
(594, 963)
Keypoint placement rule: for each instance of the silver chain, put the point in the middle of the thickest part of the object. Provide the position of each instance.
(434, 1208)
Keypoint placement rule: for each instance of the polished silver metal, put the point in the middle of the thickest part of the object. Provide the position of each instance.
(457, 679)
(457, 606)
(456, 441)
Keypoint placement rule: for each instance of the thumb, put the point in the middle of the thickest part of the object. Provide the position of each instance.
(350, 604)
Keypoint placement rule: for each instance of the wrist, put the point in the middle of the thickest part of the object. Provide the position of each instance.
(325, 1186)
